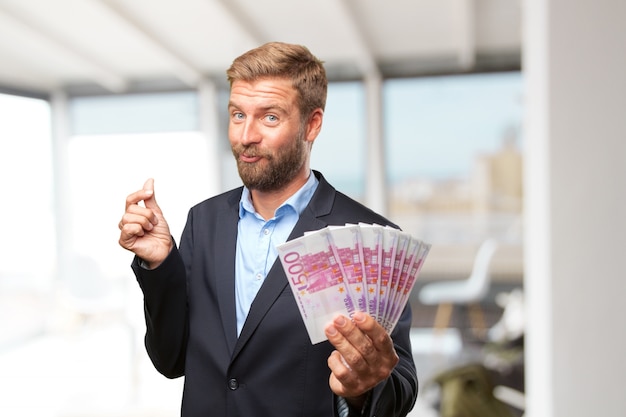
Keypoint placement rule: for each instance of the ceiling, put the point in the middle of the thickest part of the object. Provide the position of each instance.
(115, 46)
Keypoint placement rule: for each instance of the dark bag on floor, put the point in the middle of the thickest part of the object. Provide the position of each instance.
(467, 391)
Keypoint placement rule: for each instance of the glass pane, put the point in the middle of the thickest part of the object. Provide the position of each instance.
(134, 113)
(454, 155)
(28, 245)
(339, 151)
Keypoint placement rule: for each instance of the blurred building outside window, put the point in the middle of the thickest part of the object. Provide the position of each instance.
(454, 157)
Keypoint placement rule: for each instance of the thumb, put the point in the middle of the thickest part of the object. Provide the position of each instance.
(150, 200)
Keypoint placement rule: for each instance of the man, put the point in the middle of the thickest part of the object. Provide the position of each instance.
(219, 309)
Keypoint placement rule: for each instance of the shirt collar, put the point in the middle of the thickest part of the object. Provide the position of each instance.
(297, 202)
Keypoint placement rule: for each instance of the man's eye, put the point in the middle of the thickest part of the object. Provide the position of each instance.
(238, 116)
(271, 118)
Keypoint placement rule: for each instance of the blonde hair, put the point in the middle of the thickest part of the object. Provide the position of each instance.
(288, 61)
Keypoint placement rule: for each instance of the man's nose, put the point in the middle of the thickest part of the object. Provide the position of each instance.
(250, 132)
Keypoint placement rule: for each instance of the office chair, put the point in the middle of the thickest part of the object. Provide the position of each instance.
(470, 291)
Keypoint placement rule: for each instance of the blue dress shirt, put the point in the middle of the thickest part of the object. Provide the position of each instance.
(257, 240)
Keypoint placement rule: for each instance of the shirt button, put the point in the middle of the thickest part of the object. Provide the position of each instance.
(266, 232)
(259, 276)
(233, 384)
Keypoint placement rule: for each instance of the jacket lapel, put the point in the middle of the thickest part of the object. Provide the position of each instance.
(225, 284)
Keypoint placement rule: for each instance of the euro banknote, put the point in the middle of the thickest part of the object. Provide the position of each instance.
(354, 267)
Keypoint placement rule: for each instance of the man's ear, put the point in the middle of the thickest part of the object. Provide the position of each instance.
(314, 124)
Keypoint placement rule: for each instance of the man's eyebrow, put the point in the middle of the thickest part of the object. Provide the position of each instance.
(269, 107)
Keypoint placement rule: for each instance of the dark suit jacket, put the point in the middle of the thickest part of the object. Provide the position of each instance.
(271, 369)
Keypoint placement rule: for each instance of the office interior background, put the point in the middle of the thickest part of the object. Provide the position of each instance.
(500, 119)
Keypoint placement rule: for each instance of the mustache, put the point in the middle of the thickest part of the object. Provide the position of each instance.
(250, 151)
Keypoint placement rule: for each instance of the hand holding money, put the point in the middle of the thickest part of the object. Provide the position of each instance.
(365, 356)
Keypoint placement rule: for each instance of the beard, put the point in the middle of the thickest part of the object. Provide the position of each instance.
(274, 170)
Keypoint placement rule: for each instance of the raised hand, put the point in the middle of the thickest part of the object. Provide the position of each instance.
(144, 230)
(364, 357)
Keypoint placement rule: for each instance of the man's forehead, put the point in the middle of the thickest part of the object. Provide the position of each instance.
(265, 90)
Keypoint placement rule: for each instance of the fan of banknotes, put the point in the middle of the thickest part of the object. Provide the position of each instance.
(356, 267)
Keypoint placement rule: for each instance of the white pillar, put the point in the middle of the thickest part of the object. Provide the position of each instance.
(209, 126)
(376, 181)
(62, 206)
(575, 189)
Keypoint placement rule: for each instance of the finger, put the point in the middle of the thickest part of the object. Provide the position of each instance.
(342, 376)
(129, 234)
(353, 336)
(139, 215)
(146, 193)
(131, 231)
(341, 332)
(149, 199)
(338, 363)
(381, 341)
(382, 357)
(345, 381)
(350, 342)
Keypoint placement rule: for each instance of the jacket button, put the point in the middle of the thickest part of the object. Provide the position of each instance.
(233, 384)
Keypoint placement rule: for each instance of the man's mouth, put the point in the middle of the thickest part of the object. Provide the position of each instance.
(249, 158)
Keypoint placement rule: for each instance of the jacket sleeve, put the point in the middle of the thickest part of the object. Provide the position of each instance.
(165, 307)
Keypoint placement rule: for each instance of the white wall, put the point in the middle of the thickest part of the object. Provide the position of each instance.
(575, 69)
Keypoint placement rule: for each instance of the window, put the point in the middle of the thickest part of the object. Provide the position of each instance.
(28, 245)
(339, 152)
(453, 149)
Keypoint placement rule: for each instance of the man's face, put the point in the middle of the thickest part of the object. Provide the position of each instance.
(265, 132)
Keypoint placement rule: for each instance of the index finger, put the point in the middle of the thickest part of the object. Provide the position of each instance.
(138, 196)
